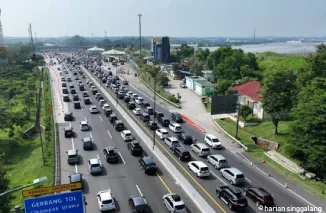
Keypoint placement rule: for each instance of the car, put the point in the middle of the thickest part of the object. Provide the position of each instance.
(174, 203)
(172, 142)
(137, 111)
(183, 85)
(145, 117)
(135, 148)
(200, 149)
(87, 143)
(71, 86)
(68, 132)
(162, 133)
(95, 166)
(87, 81)
(163, 121)
(87, 100)
(76, 178)
(118, 125)
(199, 168)
(218, 161)
(131, 105)
(138, 204)
(148, 165)
(139, 100)
(75, 97)
(145, 104)
(93, 109)
(68, 116)
(84, 126)
(233, 175)
(105, 200)
(185, 138)
(182, 153)
(126, 98)
(112, 118)
(105, 106)
(111, 154)
(176, 117)
(126, 135)
(212, 141)
(108, 112)
(158, 114)
(232, 197)
(149, 110)
(85, 94)
(76, 77)
(77, 105)
(73, 157)
(152, 125)
(259, 196)
(175, 127)
(65, 98)
(125, 82)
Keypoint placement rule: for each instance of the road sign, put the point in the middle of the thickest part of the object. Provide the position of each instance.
(69, 202)
(51, 189)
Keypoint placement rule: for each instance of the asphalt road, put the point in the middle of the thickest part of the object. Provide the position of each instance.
(125, 178)
(206, 187)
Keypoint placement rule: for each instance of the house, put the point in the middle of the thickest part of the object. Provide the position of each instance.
(208, 74)
(191, 81)
(202, 88)
(249, 94)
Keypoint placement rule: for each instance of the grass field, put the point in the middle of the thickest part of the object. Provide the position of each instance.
(24, 161)
(266, 131)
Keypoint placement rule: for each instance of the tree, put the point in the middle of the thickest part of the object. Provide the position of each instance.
(308, 129)
(4, 200)
(245, 111)
(321, 48)
(279, 94)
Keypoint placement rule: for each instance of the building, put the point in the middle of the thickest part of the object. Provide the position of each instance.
(157, 54)
(153, 41)
(165, 57)
(208, 74)
(203, 88)
(249, 94)
(161, 49)
(95, 51)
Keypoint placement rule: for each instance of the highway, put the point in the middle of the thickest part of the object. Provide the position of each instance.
(206, 187)
(125, 178)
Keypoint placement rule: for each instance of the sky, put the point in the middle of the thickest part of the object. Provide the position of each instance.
(174, 18)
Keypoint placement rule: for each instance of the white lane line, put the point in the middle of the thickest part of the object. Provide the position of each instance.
(215, 175)
(124, 162)
(82, 108)
(85, 119)
(139, 190)
(98, 157)
(248, 180)
(69, 124)
(72, 143)
(101, 118)
(90, 134)
(76, 168)
(109, 133)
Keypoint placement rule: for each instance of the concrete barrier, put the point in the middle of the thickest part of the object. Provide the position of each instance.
(187, 120)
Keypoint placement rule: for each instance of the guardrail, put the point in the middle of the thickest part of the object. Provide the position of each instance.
(186, 119)
(230, 136)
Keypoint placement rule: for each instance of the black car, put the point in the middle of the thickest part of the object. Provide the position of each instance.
(176, 117)
(147, 163)
(232, 196)
(145, 104)
(77, 105)
(185, 138)
(182, 153)
(73, 91)
(76, 178)
(118, 125)
(108, 112)
(126, 98)
(68, 132)
(135, 148)
(125, 82)
(152, 125)
(75, 98)
(163, 121)
(158, 114)
(145, 117)
(87, 100)
(68, 116)
(259, 195)
(66, 98)
(131, 105)
(112, 117)
(110, 154)
(138, 204)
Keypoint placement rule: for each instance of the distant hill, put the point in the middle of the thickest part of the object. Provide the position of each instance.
(77, 41)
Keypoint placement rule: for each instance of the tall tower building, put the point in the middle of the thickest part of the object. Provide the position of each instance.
(165, 51)
(3, 51)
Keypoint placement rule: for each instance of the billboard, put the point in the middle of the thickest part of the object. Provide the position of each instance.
(224, 104)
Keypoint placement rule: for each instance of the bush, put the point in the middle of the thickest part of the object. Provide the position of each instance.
(294, 152)
(173, 99)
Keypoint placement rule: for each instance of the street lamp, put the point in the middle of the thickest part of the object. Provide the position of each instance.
(36, 181)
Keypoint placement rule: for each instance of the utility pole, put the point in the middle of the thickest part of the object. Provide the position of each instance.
(105, 35)
(154, 135)
(139, 16)
(237, 126)
(30, 32)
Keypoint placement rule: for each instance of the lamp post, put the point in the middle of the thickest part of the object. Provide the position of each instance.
(36, 181)
(139, 16)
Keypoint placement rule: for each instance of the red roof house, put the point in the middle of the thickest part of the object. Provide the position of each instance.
(250, 89)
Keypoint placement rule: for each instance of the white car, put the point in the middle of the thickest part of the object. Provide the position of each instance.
(139, 100)
(84, 126)
(176, 128)
(162, 133)
(212, 141)
(174, 203)
(172, 142)
(137, 111)
(95, 166)
(93, 109)
(105, 200)
(105, 106)
(126, 135)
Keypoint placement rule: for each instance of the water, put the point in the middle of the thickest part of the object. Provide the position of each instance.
(282, 48)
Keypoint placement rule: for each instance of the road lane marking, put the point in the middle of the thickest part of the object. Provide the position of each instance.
(69, 124)
(124, 162)
(98, 157)
(76, 169)
(215, 175)
(109, 133)
(91, 135)
(72, 142)
(248, 180)
(139, 190)
(85, 119)
(164, 184)
(82, 108)
(185, 171)
(101, 118)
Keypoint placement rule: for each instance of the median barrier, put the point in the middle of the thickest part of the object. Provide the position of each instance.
(187, 120)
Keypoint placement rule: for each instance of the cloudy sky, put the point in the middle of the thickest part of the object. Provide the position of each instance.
(182, 18)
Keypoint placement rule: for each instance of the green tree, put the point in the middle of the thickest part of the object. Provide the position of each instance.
(321, 48)
(279, 94)
(308, 129)
(4, 200)
(245, 111)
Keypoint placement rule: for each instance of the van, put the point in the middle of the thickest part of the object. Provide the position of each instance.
(233, 175)
(212, 141)
(182, 153)
(118, 125)
(145, 117)
(163, 121)
(199, 168)
(218, 161)
(200, 149)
